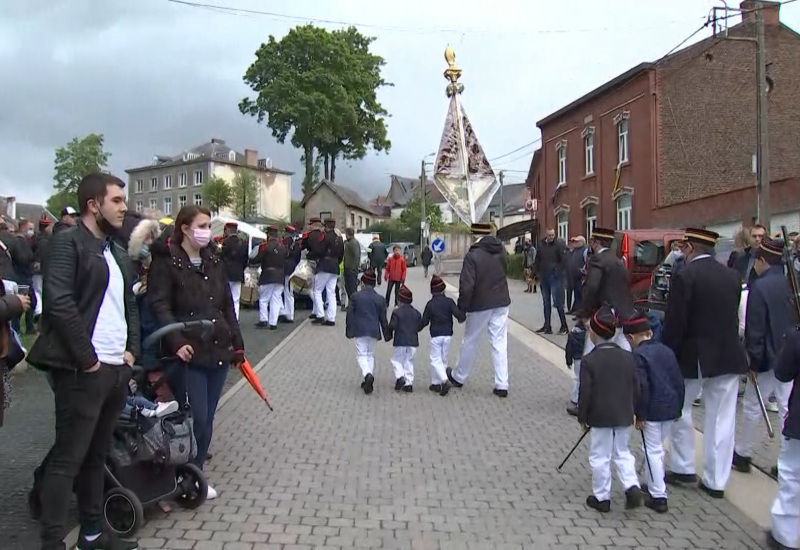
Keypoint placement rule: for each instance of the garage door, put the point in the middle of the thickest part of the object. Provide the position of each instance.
(725, 229)
(790, 219)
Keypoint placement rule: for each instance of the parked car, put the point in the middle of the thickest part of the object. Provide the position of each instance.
(408, 250)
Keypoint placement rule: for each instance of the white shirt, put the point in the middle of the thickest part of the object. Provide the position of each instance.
(110, 335)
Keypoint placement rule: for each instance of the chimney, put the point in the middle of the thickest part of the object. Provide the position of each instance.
(218, 141)
(11, 208)
(251, 157)
(771, 11)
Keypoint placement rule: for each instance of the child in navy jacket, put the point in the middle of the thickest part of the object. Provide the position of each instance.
(573, 353)
(661, 392)
(366, 323)
(404, 328)
(439, 313)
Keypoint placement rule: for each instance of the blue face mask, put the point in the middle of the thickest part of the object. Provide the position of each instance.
(145, 253)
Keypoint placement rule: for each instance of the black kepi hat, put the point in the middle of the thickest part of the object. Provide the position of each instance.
(481, 229)
(603, 234)
(701, 236)
(636, 324)
(604, 322)
(771, 247)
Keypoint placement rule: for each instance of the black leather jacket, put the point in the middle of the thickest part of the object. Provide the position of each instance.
(74, 286)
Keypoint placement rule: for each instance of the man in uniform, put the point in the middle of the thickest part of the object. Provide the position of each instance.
(311, 243)
(606, 283)
(769, 316)
(701, 326)
(331, 254)
(293, 252)
(234, 258)
(272, 258)
(483, 295)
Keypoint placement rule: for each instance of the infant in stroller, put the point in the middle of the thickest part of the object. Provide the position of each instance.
(136, 403)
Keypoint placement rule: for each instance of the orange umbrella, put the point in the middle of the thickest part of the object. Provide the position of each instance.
(250, 375)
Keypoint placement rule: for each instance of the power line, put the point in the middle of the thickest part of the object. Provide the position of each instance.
(520, 148)
(494, 30)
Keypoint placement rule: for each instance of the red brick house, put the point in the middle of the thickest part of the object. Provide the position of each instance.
(671, 144)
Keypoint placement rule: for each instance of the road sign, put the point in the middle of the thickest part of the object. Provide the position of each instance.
(532, 205)
(437, 246)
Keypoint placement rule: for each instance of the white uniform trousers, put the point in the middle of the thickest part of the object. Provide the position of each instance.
(365, 354)
(403, 363)
(785, 509)
(619, 339)
(288, 299)
(653, 450)
(609, 444)
(269, 303)
(236, 295)
(326, 282)
(440, 345)
(719, 427)
(753, 423)
(497, 321)
(576, 382)
(37, 289)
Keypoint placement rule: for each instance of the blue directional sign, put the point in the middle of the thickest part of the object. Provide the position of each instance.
(437, 246)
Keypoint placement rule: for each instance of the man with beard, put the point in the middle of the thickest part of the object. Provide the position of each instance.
(701, 326)
(549, 267)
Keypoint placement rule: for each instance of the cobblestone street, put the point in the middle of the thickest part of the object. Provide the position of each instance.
(333, 468)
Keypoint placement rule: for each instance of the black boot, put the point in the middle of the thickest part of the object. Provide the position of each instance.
(741, 463)
(545, 330)
(453, 381)
(633, 498)
(601, 506)
(658, 505)
(368, 384)
(399, 383)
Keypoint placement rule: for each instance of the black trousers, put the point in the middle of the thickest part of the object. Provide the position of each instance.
(87, 409)
(378, 268)
(350, 282)
(396, 285)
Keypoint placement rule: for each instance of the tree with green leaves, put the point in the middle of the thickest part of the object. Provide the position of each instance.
(321, 87)
(411, 216)
(73, 161)
(217, 194)
(244, 189)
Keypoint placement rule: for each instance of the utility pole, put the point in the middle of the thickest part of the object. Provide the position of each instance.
(762, 153)
(423, 218)
(502, 202)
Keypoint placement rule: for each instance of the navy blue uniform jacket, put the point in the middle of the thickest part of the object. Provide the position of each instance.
(661, 387)
(404, 326)
(439, 313)
(787, 369)
(769, 316)
(366, 315)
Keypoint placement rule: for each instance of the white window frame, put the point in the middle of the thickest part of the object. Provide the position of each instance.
(181, 201)
(588, 150)
(167, 205)
(622, 121)
(624, 213)
(232, 156)
(590, 213)
(561, 155)
(562, 221)
(139, 206)
(153, 184)
(139, 186)
(167, 182)
(198, 199)
(182, 179)
(198, 177)
(153, 204)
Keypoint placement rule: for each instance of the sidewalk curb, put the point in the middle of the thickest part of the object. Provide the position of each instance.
(72, 537)
(751, 494)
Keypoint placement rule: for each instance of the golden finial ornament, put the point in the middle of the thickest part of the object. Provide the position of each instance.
(452, 73)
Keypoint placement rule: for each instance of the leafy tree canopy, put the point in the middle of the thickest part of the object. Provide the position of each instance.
(244, 188)
(217, 194)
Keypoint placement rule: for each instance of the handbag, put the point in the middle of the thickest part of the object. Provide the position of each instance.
(16, 351)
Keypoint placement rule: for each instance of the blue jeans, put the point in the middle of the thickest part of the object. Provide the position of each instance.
(203, 387)
(553, 295)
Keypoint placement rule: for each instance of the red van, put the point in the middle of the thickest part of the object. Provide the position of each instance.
(642, 251)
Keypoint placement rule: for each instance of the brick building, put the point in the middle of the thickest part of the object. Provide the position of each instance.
(671, 144)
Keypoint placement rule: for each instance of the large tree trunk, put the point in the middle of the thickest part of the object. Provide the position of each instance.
(333, 167)
(326, 158)
(308, 182)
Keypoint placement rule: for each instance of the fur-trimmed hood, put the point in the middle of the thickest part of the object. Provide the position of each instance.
(144, 229)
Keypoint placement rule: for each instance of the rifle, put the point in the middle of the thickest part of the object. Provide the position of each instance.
(791, 275)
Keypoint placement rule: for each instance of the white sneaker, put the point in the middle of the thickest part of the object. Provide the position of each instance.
(771, 406)
(163, 409)
(212, 493)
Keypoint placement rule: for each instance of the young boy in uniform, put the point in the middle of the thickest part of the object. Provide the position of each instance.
(439, 313)
(404, 328)
(660, 403)
(366, 322)
(608, 393)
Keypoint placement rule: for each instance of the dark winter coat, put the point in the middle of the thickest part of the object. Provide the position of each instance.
(272, 259)
(439, 313)
(607, 283)
(331, 253)
(294, 252)
(576, 341)
(40, 248)
(312, 242)
(366, 315)
(701, 324)
(22, 256)
(377, 254)
(482, 284)
(609, 389)
(181, 292)
(740, 260)
(75, 284)
(426, 256)
(550, 258)
(787, 369)
(661, 386)
(234, 258)
(404, 326)
(6, 264)
(575, 263)
(352, 255)
(60, 226)
(769, 316)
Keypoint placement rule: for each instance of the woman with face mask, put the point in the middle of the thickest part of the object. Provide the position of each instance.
(189, 284)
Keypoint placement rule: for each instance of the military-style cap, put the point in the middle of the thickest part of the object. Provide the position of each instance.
(369, 278)
(771, 247)
(405, 295)
(315, 219)
(481, 229)
(290, 229)
(603, 233)
(437, 284)
(604, 322)
(232, 224)
(636, 324)
(330, 222)
(701, 236)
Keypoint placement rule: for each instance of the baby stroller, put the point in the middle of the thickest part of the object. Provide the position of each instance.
(150, 458)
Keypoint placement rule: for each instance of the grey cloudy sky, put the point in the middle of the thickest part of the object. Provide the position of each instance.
(156, 77)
